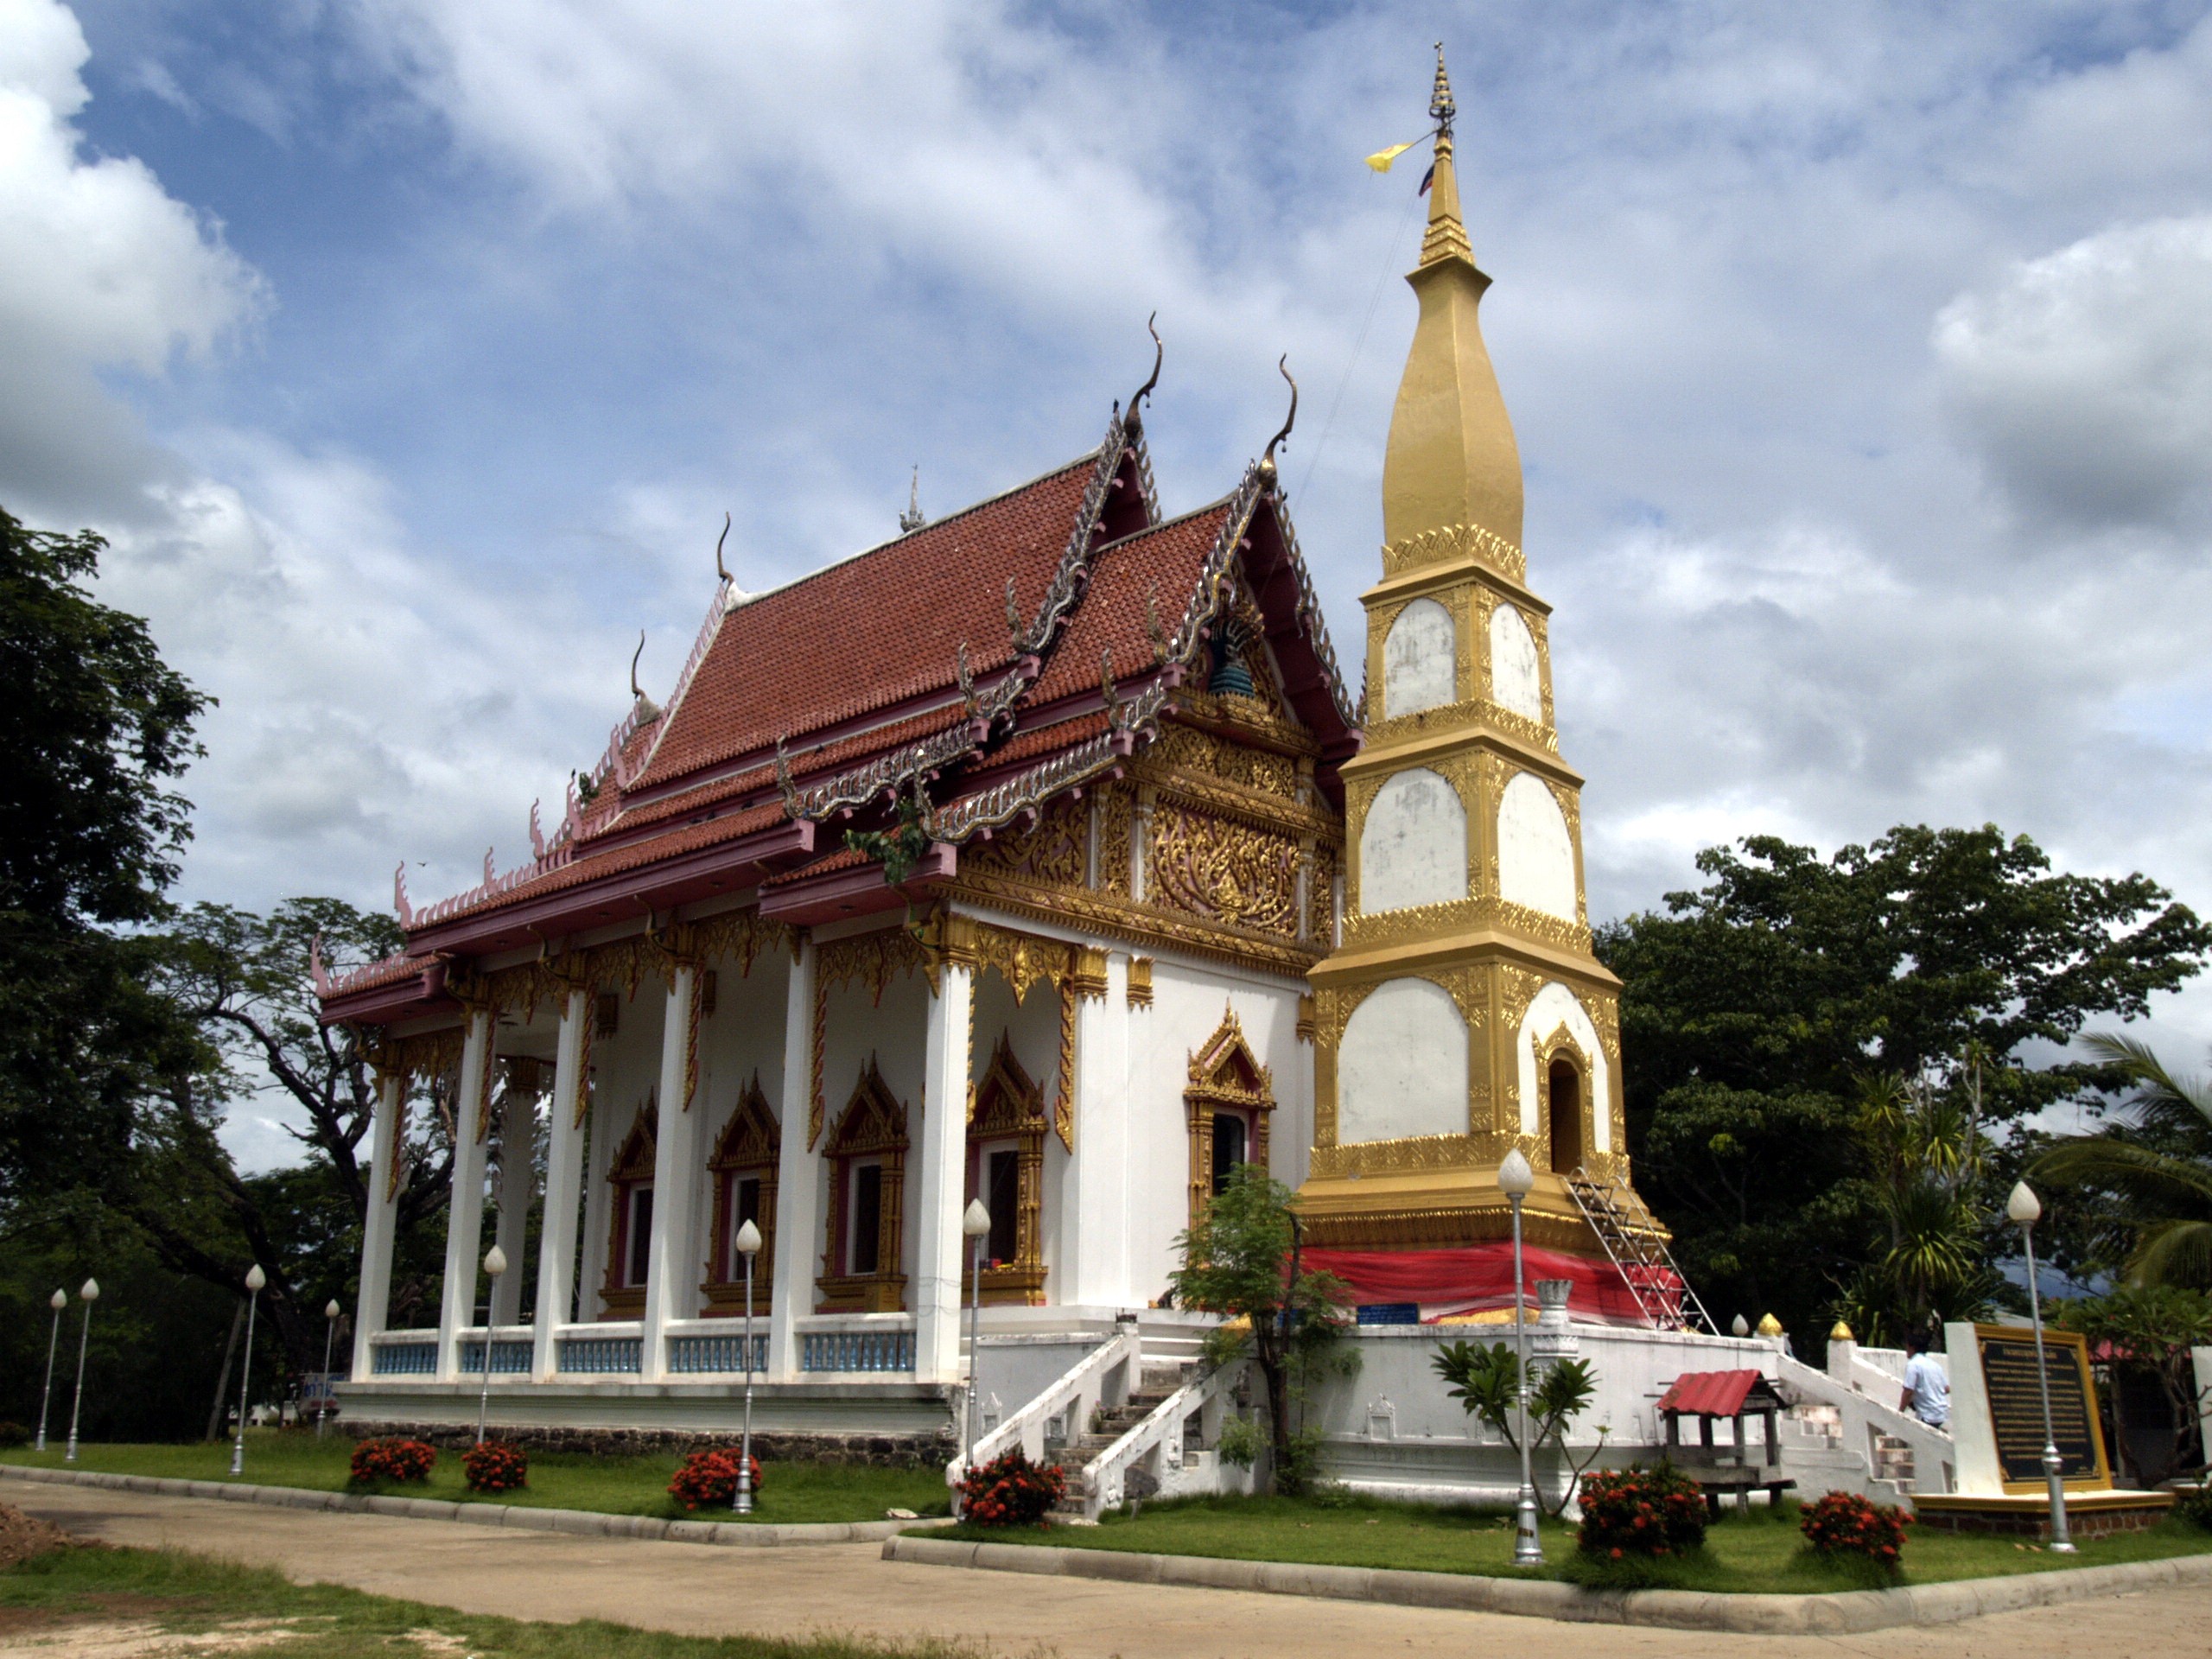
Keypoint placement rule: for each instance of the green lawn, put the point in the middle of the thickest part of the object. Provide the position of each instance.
(192, 1594)
(1760, 1551)
(788, 1491)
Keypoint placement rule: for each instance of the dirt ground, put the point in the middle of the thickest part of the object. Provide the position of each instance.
(700, 1589)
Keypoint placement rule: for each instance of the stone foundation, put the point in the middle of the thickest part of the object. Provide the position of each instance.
(2089, 1514)
(931, 1450)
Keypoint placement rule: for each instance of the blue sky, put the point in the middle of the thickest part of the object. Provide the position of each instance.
(409, 352)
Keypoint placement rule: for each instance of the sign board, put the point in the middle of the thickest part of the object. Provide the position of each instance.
(318, 1391)
(1997, 1409)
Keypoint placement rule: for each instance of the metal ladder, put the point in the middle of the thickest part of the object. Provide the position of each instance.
(1639, 1248)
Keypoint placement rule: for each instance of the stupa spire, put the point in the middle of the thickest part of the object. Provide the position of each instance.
(1451, 460)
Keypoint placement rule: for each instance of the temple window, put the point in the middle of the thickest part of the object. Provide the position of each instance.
(743, 1168)
(1227, 1107)
(866, 1154)
(630, 1243)
(1006, 1169)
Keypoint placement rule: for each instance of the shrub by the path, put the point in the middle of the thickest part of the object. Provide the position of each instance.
(1654, 1513)
(1011, 1491)
(495, 1467)
(709, 1480)
(401, 1461)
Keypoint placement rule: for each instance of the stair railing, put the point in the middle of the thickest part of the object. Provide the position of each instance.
(1102, 1376)
(1161, 1430)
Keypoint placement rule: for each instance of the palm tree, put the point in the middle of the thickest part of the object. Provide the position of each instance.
(2157, 1162)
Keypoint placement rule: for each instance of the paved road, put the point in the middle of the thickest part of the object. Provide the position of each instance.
(701, 1590)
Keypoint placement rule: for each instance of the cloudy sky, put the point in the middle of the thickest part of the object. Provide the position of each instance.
(409, 352)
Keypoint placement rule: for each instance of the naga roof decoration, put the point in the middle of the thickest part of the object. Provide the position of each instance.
(799, 710)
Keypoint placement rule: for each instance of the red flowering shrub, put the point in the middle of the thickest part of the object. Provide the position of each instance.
(398, 1460)
(1649, 1512)
(709, 1480)
(495, 1467)
(1844, 1523)
(1011, 1491)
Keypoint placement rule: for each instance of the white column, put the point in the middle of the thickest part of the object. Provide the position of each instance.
(798, 1179)
(381, 1223)
(465, 1210)
(565, 1172)
(518, 1179)
(935, 1279)
(1095, 1233)
(673, 1271)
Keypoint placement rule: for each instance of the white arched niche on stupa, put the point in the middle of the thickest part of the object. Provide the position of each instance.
(1420, 667)
(1553, 1006)
(1535, 853)
(1402, 1068)
(1516, 683)
(1412, 844)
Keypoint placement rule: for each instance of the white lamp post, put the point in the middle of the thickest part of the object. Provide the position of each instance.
(2025, 1210)
(255, 1279)
(88, 1294)
(748, 1246)
(976, 1223)
(59, 1301)
(330, 1313)
(495, 1264)
(1516, 1180)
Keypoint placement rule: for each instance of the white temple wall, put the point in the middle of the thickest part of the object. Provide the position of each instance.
(1402, 1065)
(1516, 682)
(1535, 853)
(1189, 999)
(1419, 660)
(1412, 844)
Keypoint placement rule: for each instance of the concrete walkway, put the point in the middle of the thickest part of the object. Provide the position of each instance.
(697, 1589)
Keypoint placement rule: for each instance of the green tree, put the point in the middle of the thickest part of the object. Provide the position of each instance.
(94, 728)
(1238, 1262)
(1486, 1380)
(1756, 1008)
(2148, 1329)
(2149, 1173)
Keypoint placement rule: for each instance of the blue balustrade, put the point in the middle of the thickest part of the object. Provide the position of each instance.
(715, 1353)
(857, 1350)
(598, 1356)
(404, 1358)
(509, 1359)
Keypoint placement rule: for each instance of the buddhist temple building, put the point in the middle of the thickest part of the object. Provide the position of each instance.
(1042, 856)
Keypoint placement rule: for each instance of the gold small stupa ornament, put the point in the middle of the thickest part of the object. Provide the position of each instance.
(1841, 1333)
(1769, 1326)
(1463, 1014)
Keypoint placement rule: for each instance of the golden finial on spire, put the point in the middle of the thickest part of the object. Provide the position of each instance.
(1451, 461)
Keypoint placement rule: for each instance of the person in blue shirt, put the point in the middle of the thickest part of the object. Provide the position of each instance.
(1926, 1390)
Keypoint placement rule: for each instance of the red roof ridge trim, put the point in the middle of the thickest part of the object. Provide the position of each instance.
(724, 602)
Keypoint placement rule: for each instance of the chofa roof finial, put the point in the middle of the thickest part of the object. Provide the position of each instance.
(721, 569)
(1158, 356)
(635, 690)
(1268, 459)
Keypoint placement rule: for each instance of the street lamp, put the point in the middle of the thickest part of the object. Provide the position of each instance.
(748, 1246)
(330, 1313)
(495, 1264)
(255, 1279)
(88, 1292)
(59, 1301)
(976, 1224)
(1516, 1180)
(2025, 1210)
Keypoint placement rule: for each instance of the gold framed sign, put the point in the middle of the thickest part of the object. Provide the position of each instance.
(2007, 1355)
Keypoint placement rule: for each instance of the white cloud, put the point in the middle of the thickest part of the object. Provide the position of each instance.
(101, 269)
(2084, 381)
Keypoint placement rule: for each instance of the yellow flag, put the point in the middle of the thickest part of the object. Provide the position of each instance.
(1381, 159)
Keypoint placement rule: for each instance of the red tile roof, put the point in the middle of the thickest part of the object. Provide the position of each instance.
(872, 631)
(1710, 1394)
(1162, 565)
